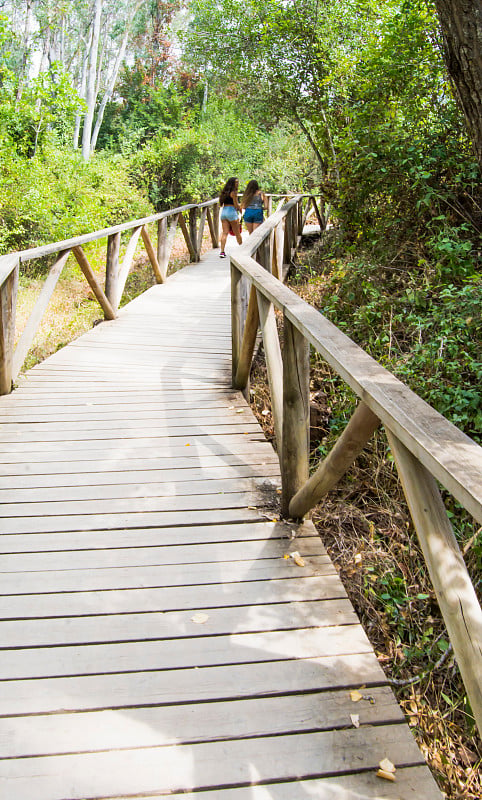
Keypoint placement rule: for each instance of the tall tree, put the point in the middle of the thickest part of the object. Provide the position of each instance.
(461, 23)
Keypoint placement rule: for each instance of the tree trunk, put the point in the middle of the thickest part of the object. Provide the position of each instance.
(112, 80)
(90, 95)
(461, 23)
(25, 50)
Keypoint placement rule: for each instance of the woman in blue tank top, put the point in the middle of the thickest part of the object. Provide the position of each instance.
(254, 201)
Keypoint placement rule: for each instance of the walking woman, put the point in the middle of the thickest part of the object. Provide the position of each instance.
(254, 201)
(228, 200)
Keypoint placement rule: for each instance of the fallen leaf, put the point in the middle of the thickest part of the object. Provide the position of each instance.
(358, 558)
(355, 720)
(388, 776)
(200, 618)
(240, 411)
(252, 508)
(297, 558)
(265, 412)
(356, 696)
(387, 766)
(286, 555)
(188, 445)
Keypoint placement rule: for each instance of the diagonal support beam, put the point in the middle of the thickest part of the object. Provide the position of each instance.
(359, 430)
(84, 265)
(33, 323)
(152, 254)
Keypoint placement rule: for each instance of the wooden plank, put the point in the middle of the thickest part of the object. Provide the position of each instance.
(91, 431)
(129, 601)
(148, 537)
(162, 554)
(85, 460)
(93, 522)
(171, 654)
(164, 443)
(33, 323)
(94, 414)
(161, 575)
(414, 782)
(135, 504)
(154, 727)
(166, 687)
(175, 624)
(128, 477)
(206, 765)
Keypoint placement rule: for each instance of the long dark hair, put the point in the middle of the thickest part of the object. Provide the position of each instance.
(229, 187)
(249, 192)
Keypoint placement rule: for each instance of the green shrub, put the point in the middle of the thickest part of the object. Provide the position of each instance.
(57, 195)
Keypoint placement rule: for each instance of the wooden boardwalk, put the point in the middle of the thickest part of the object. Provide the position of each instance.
(156, 640)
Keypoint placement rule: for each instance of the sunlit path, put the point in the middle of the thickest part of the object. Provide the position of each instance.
(157, 639)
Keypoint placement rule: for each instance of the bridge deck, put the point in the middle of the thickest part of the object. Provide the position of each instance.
(155, 639)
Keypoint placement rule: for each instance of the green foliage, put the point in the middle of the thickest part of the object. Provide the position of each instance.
(194, 164)
(141, 112)
(57, 195)
(420, 326)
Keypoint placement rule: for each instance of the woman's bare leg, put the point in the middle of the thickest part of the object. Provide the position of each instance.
(237, 232)
(224, 234)
(250, 227)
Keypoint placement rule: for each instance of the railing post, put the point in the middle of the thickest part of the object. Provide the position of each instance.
(112, 268)
(287, 241)
(274, 364)
(236, 316)
(8, 306)
(213, 220)
(299, 221)
(162, 244)
(296, 413)
(193, 232)
(451, 581)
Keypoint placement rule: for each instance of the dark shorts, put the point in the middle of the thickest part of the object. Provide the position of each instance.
(253, 215)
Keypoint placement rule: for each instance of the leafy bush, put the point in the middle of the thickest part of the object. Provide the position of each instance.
(57, 195)
(196, 162)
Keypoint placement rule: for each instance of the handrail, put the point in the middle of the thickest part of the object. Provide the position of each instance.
(426, 446)
(11, 360)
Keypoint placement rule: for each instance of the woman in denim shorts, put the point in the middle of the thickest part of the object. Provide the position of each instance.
(228, 200)
(254, 201)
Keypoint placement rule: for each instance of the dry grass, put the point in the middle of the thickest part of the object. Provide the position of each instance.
(367, 530)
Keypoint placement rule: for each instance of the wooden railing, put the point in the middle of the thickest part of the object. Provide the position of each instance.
(116, 272)
(426, 447)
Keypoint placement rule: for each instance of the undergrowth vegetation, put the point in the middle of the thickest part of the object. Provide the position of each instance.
(424, 326)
